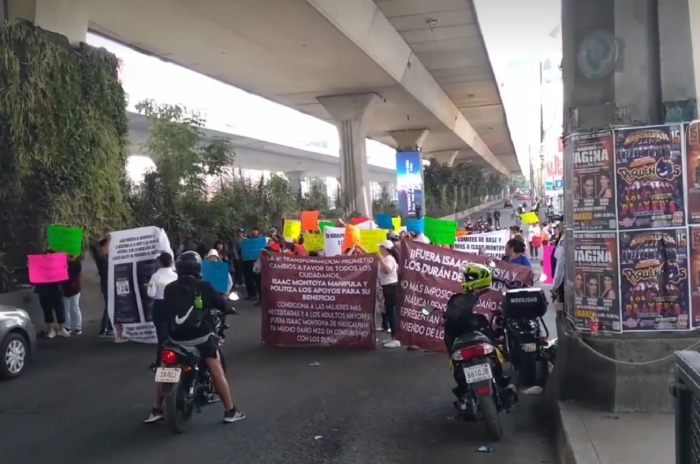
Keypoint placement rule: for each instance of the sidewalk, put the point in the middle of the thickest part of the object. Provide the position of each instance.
(587, 436)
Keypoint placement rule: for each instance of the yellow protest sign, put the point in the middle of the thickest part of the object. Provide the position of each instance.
(313, 242)
(292, 229)
(529, 218)
(370, 239)
(397, 223)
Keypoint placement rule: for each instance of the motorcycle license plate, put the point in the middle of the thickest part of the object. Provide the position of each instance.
(478, 373)
(168, 374)
(529, 347)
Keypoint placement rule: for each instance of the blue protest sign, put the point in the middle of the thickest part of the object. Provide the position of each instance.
(383, 221)
(252, 247)
(415, 225)
(216, 273)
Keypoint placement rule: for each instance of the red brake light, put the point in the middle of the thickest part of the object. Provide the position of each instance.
(474, 351)
(168, 357)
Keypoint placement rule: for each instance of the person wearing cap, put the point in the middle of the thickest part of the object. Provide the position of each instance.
(156, 290)
(389, 281)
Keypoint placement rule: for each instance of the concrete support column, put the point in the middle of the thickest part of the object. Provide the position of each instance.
(409, 140)
(349, 113)
(65, 17)
(678, 66)
(444, 157)
(694, 21)
(295, 179)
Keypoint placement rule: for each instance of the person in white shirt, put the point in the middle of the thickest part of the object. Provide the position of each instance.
(156, 287)
(535, 239)
(389, 281)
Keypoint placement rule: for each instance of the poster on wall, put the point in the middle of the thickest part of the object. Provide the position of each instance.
(695, 275)
(132, 261)
(692, 153)
(593, 187)
(650, 191)
(596, 282)
(654, 279)
(409, 182)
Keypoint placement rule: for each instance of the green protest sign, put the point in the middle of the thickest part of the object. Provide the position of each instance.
(440, 232)
(323, 224)
(65, 239)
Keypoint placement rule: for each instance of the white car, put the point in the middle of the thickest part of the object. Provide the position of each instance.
(17, 341)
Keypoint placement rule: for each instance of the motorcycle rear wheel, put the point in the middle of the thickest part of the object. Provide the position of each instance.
(177, 408)
(491, 419)
(527, 369)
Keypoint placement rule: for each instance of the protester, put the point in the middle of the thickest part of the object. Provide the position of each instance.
(249, 275)
(101, 257)
(497, 219)
(221, 251)
(515, 249)
(71, 297)
(51, 301)
(559, 267)
(214, 256)
(535, 239)
(188, 244)
(388, 279)
(237, 257)
(298, 248)
(489, 218)
(155, 289)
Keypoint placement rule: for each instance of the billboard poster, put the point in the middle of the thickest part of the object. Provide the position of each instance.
(650, 191)
(593, 186)
(409, 182)
(319, 301)
(596, 283)
(695, 275)
(654, 279)
(133, 259)
(692, 143)
(429, 276)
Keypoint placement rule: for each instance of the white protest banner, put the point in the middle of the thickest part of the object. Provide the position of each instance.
(333, 241)
(493, 244)
(132, 260)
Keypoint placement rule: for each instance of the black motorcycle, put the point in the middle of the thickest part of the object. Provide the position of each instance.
(186, 384)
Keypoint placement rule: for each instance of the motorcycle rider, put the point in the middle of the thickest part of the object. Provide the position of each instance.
(460, 320)
(188, 301)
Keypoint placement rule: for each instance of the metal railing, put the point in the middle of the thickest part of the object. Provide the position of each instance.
(686, 392)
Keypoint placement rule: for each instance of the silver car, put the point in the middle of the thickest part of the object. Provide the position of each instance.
(17, 340)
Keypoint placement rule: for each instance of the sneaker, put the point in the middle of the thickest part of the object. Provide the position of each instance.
(392, 344)
(76, 332)
(63, 333)
(155, 416)
(234, 415)
(212, 398)
(381, 329)
(51, 333)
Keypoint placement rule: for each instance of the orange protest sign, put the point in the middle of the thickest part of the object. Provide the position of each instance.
(352, 237)
(309, 221)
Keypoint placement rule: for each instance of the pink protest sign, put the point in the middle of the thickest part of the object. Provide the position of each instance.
(547, 253)
(47, 269)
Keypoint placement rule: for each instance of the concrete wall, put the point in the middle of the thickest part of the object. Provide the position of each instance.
(676, 50)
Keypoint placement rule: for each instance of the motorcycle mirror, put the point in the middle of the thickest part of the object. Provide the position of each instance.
(427, 311)
(234, 296)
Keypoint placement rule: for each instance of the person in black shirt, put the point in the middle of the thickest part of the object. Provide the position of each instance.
(188, 302)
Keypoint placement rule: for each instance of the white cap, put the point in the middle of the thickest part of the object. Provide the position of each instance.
(213, 253)
(422, 239)
(387, 244)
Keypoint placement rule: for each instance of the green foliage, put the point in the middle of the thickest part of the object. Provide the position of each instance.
(385, 204)
(63, 133)
(452, 189)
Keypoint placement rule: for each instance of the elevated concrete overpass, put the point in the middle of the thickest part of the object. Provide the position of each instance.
(261, 155)
(393, 70)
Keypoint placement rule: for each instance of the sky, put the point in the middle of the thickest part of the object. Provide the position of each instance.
(518, 37)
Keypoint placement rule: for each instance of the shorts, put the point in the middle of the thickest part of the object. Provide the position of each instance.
(209, 349)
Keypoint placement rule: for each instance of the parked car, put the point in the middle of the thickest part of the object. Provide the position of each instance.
(17, 341)
(507, 203)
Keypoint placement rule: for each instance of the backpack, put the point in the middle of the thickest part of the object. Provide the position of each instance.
(189, 313)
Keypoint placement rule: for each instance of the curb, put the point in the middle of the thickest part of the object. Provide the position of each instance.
(572, 440)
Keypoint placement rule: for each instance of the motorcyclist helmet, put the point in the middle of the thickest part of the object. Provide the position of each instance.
(476, 277)
(189, 263)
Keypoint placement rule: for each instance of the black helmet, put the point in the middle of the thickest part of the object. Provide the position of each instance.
(189, 263)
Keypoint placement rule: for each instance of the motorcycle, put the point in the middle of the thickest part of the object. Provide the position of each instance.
(476, 363)
(186, 383)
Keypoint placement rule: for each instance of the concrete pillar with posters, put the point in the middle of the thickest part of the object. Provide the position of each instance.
(295, 178)
(66, 17)
(349, 113)
(409, 171)
(618, 69)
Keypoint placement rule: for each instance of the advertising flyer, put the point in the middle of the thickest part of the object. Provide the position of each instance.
(692, 153)
(695, 275)
(319, 301)
(654, 279)
(596, 284)
(593, 188)
(650, 192)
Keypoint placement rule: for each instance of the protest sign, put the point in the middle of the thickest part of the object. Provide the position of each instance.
(593, 186)
(429, 276)
(352, 237)
(309, 221)
(492, 244)
(323, 224)
(370, 239)
(654, 280)
(440, 231)
(358, 220)
(650, 190)
(252, 247)
(529, 218)
(319, 301)
(65, 239)
(48, 269)
(333, 238)
(547, 252)
(384, 221)
(415, 225)
(313, 243)
(292, 230)
(217, 274)
(396, 223)
(133, 258)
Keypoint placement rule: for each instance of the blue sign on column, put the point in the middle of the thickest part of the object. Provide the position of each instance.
(409, 182)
